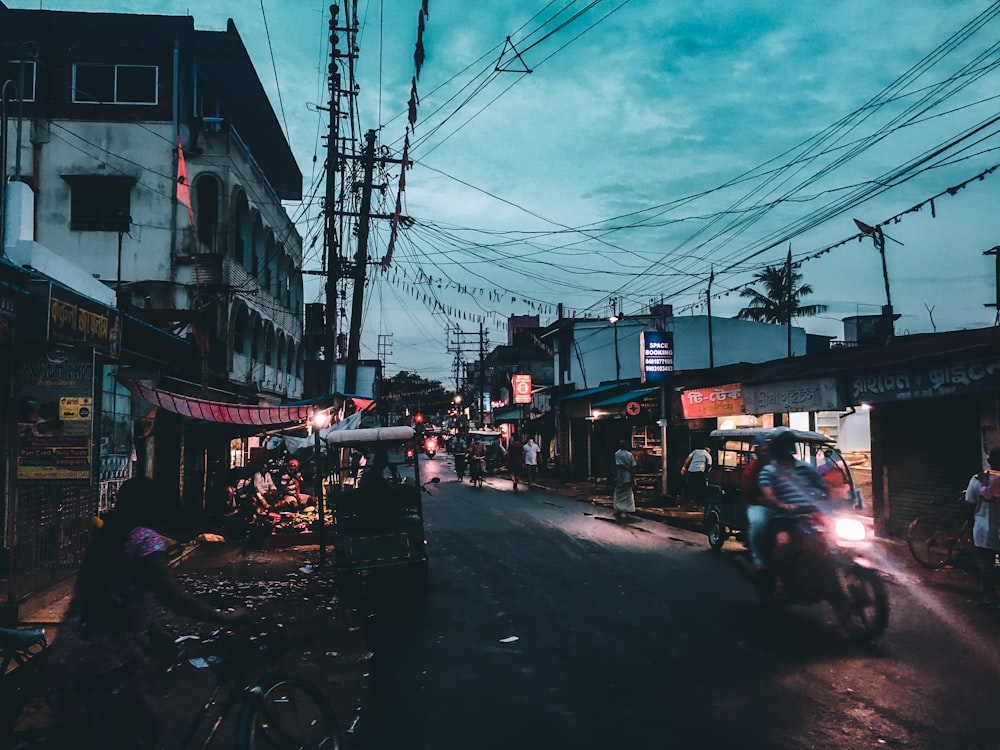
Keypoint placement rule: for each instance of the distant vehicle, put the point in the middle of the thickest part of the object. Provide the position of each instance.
(494, 451)
(732, 449)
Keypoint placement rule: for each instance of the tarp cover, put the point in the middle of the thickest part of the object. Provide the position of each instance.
(226, 413)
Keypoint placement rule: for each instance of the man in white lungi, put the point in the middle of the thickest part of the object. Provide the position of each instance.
(625, 465)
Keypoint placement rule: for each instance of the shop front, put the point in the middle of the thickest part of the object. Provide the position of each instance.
(54, 419)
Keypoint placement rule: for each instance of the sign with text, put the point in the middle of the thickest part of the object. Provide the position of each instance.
(813, 394)
(522, 388)
(717, 401)
(71, 318)
(657, 349)
(55, 419)
(908, 382)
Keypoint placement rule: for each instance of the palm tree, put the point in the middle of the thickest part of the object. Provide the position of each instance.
(780, 302)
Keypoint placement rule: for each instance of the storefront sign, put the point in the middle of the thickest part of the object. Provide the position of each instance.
(657, 356)
(816, 394)
(71, 318)
(967, 376)
(719, 401)
(522, 388)
(55, 419)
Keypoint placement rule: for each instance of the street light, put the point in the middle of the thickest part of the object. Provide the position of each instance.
(320, 419)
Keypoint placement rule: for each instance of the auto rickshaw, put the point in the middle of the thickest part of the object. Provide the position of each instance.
(732, 449)
(377, 513)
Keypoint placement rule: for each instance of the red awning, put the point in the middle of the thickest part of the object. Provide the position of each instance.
(226, 413)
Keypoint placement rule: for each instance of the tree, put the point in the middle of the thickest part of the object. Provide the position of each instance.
(408, 391)
(779, 302)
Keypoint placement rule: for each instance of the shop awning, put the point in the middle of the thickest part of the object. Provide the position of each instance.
(624, 398)
(265, 416)
(589, 392)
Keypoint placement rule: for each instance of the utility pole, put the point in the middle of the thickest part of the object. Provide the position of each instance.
(482, 376)
(711, 343)
(360, 265)
(995, 252)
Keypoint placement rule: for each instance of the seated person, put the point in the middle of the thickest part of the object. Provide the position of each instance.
(265, 490)
(379, 472)
(290, 489)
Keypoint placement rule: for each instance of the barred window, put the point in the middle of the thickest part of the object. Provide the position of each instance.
(100, 204)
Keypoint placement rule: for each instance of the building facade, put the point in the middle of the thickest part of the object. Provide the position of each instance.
(144, 237)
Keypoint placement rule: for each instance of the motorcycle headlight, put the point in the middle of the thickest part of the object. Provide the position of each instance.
(850, 529)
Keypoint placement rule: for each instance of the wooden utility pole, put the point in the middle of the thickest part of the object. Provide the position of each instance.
(360, 265)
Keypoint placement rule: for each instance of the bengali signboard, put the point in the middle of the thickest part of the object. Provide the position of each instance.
(717, 401)
(55, 419)
(70, 318)
(947, 379)
(814, 394)
(657, 349)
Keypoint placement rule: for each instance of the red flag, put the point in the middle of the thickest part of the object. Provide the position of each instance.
(183, 186)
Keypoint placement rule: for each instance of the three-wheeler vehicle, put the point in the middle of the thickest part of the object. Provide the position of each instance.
(732, 449)
(377, 513)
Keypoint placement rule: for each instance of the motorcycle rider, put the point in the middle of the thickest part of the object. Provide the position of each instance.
(477, 458)
(785, 483)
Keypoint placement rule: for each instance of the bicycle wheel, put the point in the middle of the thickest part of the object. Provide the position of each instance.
(930, 541)
(289, 713)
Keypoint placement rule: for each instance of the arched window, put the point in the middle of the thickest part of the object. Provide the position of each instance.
(242, 236)
(207, 191)
(241, 325)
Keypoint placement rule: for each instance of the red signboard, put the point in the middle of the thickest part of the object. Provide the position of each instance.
(718, 401)
(522, 388)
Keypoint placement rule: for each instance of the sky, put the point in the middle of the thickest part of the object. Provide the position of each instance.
(655, 152)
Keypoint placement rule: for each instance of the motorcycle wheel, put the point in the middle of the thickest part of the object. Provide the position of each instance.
(864, 611)
(715, 531)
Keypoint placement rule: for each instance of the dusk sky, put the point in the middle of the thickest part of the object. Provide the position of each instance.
(653, 142)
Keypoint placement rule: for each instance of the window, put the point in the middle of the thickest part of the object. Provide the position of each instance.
(114, 84)
(100, 204)
(10, 70)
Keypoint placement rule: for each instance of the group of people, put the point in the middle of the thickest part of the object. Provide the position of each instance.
(522, 460)
(260, 493)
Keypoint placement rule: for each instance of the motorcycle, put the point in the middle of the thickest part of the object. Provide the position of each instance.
(430, 446)
(815, 557)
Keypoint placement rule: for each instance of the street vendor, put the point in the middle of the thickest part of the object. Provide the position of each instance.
(265, 490)
(290, 488)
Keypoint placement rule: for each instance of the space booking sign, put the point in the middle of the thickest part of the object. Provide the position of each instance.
(967, 376)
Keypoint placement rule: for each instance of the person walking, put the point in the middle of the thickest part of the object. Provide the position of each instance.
(625, 466)
(515, 459)
(984, 492)
(531, 451)
(695, 472)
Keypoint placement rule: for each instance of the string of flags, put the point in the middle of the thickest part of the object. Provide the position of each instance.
(418, 63)
(861, 235)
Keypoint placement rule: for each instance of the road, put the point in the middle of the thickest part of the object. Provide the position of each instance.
(548, 624)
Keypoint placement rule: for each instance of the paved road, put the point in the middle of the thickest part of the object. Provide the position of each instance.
(549, 625)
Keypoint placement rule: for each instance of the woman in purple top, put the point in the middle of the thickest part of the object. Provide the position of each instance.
(97, 662)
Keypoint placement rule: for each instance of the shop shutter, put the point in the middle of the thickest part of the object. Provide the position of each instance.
(931, 449)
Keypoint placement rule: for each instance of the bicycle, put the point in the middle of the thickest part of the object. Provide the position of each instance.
(477, 469)
(934, 540)
(276, 710)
